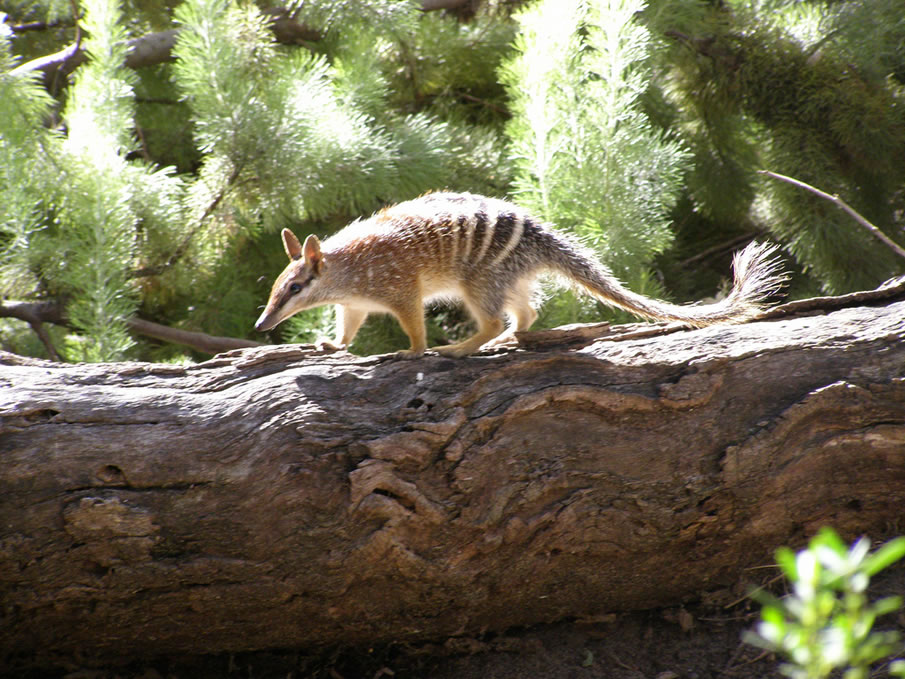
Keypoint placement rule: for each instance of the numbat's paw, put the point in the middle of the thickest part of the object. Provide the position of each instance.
(453, 350)
(409, 353)
(328, 345)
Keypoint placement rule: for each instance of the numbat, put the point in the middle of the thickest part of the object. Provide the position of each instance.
(484, 251)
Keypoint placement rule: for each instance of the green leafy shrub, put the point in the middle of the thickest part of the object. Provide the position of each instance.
(585, 153)
(826, 623)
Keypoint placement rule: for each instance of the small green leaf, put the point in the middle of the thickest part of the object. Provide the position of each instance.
(785, 557)
(827, 537)
(755, 639)
(766, 599)
(889, 604)
(885, 556)
(774, 616)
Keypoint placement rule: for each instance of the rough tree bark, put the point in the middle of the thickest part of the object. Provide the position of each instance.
(280, 497)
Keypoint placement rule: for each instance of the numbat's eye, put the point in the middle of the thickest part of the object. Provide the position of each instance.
(295, 288)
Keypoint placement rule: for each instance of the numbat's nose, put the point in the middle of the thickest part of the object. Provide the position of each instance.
(263, 324)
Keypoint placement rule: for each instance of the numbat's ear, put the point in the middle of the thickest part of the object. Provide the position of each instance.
(291, 245)
(312, 251)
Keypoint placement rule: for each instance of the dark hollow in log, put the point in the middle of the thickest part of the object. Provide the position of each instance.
(277, 497)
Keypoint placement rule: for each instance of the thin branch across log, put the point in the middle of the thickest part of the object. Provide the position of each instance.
(37, 313)
(274, 498)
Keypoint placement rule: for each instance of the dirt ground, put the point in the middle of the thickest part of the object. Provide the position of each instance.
(699, 641)
(651, 645)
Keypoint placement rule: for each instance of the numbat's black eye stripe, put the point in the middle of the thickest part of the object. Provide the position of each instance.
(296, 288)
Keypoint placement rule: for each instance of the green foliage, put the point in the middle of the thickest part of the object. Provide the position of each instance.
(163, 123)
(305, 138)
(43, 10)
(450, 66)
(78, 210)
(309, 326)
(586, 154)
(640, 128)
(826, 623)
(389, 17)
(870, 34)
(796, 88)
(815, 139)
(23, 106)
(97, 217)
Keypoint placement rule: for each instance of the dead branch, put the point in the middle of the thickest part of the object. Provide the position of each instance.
(850, 211)
(38, 313)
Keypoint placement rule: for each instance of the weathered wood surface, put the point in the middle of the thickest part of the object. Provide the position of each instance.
(277, 497)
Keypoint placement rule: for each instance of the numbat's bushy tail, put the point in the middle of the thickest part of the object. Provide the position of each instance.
(484, 251)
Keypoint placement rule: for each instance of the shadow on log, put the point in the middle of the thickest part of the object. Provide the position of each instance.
(278, 497)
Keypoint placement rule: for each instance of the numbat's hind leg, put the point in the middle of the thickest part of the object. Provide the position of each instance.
(523, 314)
(488, 330)
(490, 325)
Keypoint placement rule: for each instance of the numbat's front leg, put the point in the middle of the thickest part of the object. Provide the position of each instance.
(488, 329)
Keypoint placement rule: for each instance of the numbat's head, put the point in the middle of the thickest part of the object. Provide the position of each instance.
(292, 291)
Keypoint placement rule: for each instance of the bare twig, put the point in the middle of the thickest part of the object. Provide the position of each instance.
(33, 312)
(772, 581)
(35, 26)
(36, 314)
(891, 244)
(432, 5)
(44, 336)
(72, 56)
(892, 289)
(483, 102)
(208, 344)
(147, 50)
(78, 25)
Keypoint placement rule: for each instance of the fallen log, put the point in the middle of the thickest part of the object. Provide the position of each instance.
(281, 496)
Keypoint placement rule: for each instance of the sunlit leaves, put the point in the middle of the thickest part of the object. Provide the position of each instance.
(106, 197)
(309, 139)
(23, 105)
(585, 153)
(826, 623)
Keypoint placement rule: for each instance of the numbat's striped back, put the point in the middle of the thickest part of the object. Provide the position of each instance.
(485, 251)
(451, 229)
